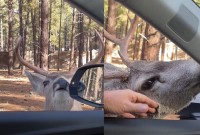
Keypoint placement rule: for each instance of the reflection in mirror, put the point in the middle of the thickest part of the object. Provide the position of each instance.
(93, 80)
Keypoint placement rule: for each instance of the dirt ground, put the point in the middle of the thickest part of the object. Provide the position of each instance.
(16, 94)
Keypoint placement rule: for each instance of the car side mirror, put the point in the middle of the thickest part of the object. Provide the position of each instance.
(86, 85)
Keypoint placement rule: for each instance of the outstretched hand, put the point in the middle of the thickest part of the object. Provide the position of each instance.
(128, 103)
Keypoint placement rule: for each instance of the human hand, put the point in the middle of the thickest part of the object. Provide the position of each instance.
(128, 103)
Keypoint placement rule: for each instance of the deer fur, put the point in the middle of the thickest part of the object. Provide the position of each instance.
(55, 99)
(176, 82)
(55, 86)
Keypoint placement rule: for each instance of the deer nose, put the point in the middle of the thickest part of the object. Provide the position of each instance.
(60, 84)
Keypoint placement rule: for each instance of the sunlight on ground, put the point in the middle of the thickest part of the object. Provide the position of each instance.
(25, 96)
(14, 107)
(16, 93)
(15, 79)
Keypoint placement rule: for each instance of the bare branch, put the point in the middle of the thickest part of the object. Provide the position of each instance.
(100, 52)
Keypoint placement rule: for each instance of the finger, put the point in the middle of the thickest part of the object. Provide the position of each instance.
(127, 115)
(143, 115)
(136, 108)
(152, 110)
(144, 99)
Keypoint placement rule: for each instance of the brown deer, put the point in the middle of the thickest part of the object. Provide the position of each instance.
(172, 84)
(54, 86)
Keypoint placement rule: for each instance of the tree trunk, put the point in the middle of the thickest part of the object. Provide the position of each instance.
(72, 40)
(49, 44)
(92, 84)
(87, 48)
(136, 46)
(39, 50)
(25, 41)
(66, 35)
(44, 34)
(34, 30)
(152, 46)
(163, 42)
(59, 48)
(111, 23)
(66, 45)
(127, 23)
(176, 53)
(80, 39)
(88, 89)
(10, 37)
(6, 40)
(141, 40)
(21, 31)
(20, 18)
(90, 49)
(88, 41)
(2, 43)
(98, 83)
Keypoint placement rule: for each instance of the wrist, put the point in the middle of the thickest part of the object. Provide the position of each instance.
(107, 99)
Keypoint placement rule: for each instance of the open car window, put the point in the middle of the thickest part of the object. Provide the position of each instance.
(169, 18)
(161, 75)
(72, 42)
(42, 45)
(184, 13)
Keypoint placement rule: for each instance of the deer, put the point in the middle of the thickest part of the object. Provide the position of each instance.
(54, 86)
(172, 84)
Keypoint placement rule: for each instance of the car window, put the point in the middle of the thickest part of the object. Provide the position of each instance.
(59, 43)
(156, 64)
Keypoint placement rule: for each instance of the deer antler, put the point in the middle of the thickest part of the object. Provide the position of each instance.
(100, 52)
(115, 75)
(25, 63)
(124, 42)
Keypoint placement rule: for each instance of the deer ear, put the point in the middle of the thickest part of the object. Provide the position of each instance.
(36, 81)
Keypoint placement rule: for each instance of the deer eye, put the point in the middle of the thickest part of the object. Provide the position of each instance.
(45, 83)
(149, 83)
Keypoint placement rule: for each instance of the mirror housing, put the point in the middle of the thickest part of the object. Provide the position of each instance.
(74, 85)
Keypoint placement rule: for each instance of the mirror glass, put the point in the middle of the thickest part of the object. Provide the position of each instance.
(91, 85)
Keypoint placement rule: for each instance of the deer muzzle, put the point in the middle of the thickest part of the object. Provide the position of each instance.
(60, 84)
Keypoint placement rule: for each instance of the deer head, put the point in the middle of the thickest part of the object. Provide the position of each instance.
(54, 86)
(172, 84)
